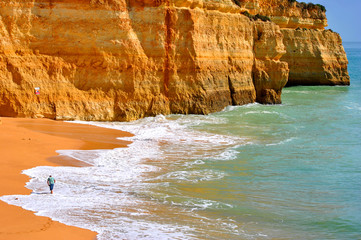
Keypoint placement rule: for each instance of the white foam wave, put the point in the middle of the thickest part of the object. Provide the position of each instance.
(353, 106)
(192, 163)
(161, 129)
(223, 155)
(160, 138)
(98, 198)
(277, 114)
(193, 176)
(298, 91)
(201, 204)
(112, 195)
(282, 142)
(232, 108)
(262, 112)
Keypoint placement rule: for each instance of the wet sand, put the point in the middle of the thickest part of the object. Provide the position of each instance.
(27, 143)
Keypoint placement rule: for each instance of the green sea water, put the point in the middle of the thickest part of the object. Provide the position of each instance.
(298, 178)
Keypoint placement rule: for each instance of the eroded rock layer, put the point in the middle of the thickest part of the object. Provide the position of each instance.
(315, 56)
(127, 59)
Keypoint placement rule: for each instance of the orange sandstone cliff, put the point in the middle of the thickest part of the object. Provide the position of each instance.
(315, 56)
(128, 59)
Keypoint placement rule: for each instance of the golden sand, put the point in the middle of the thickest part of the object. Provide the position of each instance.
(27, 143)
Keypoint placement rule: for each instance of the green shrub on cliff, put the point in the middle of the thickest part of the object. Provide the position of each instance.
(311, 6)
(323, 9)
(237, 2)
(308, 6)
(247, 14)
(256, 17)
(263, 18)
(302, 5)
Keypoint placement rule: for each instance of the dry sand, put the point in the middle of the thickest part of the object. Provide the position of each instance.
(27, 143)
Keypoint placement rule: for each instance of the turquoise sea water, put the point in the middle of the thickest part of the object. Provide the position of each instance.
(301, 179)
(289, 171)
(301, 176)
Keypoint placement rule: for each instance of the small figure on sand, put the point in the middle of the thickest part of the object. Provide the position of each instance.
(51, 181)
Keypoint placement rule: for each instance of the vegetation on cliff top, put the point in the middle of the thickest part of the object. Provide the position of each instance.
(250, 16)
(302, 5)
(308, 6)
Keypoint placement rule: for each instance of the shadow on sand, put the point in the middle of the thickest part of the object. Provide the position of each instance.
(40, 193)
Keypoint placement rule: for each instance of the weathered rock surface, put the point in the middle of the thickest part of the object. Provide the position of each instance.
(315, 57)
(127, 59)
(269, 73)
(288, 14)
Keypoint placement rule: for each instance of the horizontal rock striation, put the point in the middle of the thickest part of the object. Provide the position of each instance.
(128, 59)
(123, 60)
(289, 14)
(315, 56)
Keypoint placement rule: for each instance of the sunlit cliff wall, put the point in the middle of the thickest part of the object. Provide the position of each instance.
(315, 56)
(127, 59)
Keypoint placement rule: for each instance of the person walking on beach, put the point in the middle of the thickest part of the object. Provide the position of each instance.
(51, 181)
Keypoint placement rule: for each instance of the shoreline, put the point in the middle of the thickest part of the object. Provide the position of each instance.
(28, 143)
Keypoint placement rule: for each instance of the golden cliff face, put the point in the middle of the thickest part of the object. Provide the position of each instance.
(123, 60)
(269, 73)
(315, 56)
(127, 59)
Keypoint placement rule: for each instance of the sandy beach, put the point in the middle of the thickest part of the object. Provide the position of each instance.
(27, 143)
